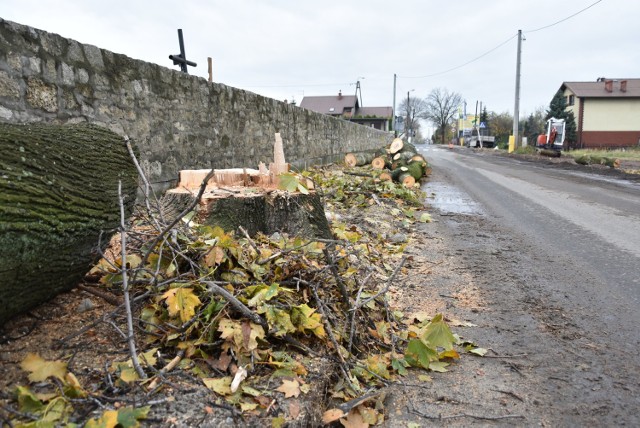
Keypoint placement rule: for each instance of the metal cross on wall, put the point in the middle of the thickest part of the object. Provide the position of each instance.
(181, 58)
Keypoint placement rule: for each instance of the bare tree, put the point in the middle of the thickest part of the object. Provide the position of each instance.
(412, 109)
(501, 125)
(441, 107)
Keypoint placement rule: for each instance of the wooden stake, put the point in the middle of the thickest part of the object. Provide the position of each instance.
(209, 60)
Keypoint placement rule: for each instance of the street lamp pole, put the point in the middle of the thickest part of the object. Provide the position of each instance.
(393, 122)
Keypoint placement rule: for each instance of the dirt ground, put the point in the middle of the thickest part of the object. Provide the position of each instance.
(463, 266)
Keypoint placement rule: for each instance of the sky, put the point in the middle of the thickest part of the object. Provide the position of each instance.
(288, 49)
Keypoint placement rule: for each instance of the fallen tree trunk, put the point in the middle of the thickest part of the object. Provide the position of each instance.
(379, 162)
(408, 175)
(550, 153)
(598, 160)
(358, 159)
(58, 190)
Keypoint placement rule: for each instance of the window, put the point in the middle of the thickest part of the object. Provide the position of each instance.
(571, 100)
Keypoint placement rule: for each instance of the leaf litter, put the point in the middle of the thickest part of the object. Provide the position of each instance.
(264, 323)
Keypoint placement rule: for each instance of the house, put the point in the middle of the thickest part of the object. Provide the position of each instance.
(607, 111)
(348, 107)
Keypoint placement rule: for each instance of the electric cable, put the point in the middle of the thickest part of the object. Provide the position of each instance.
(564, 19)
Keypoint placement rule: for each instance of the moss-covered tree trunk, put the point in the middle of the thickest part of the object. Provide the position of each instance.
(58, 190)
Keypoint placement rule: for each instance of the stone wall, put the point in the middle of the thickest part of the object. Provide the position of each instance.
(177, 121)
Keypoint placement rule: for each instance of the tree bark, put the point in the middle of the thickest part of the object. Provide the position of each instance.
(58, 190)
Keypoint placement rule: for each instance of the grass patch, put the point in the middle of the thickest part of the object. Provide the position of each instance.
(527, 150)
(632, 154)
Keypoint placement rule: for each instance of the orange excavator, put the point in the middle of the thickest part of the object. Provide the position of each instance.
(554, 138)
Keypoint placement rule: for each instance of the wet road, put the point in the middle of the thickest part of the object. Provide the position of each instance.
(593, 220)
(577, 262)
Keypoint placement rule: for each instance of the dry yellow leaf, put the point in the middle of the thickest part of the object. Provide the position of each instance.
(290, 388)
(40, 369)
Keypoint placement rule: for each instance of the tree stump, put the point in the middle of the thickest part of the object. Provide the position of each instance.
(256, 210)
(58, 190)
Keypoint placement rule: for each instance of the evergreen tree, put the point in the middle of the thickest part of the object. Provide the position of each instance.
(557, 109)
(534, 125)
(484, 116)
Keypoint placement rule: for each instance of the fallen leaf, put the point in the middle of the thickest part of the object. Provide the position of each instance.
(354, 420)
(438, 366)
(369, 415)
(214, 257)
(222, 363)
(263, 400)
(40, 369)
(181, 301)
(294, 409)
(479, 351)
(332, 415)
(437, 333)
(290, 388)
(221, 386)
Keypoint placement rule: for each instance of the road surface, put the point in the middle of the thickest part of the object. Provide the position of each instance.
(545, 261)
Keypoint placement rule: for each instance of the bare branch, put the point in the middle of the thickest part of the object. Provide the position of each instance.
(125, 288)
(386, 287)
(236, 304)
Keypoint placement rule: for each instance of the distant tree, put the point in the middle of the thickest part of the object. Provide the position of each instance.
(534, 125)
(558, 109)
(441, 107)
(484, 116)
(412, 109)
(501, 126)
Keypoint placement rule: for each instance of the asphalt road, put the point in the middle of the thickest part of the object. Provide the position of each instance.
(555, 255)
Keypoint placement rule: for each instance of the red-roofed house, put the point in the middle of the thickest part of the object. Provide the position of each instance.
(347, 107)
(607, 111)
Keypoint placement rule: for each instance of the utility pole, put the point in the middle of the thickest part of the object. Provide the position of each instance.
(393, 122)
(516, 108)
(406, 126)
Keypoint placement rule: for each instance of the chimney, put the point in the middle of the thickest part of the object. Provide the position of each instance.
(623, 86)
(340, 94)
(608, 85)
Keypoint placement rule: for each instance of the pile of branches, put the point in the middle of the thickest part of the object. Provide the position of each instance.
(399, 162)
(258, 320)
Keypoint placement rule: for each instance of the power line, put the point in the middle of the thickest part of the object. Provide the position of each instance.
(564, 19)
(500, 45)
(462, 65)
(450, 69)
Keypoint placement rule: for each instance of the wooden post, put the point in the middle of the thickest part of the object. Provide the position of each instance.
(210, 69)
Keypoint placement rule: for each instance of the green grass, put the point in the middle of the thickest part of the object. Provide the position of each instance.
(631, 153)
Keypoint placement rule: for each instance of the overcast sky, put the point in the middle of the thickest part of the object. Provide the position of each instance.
(287, 49)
